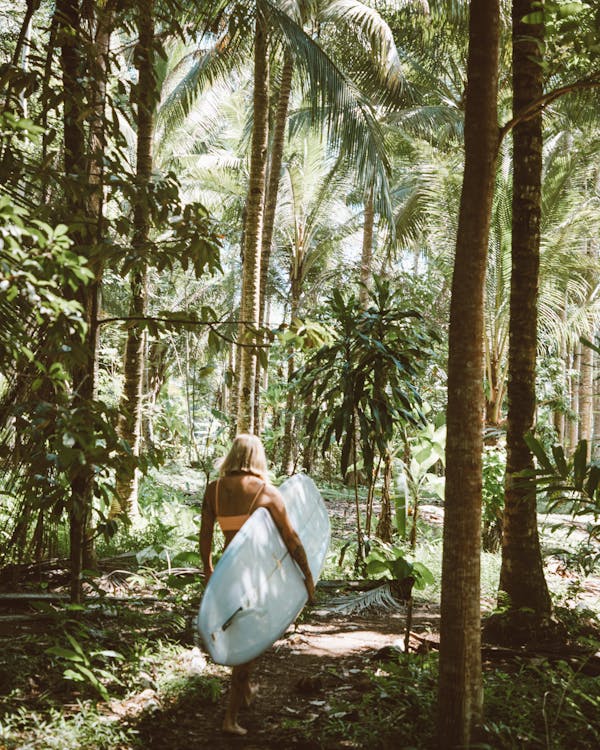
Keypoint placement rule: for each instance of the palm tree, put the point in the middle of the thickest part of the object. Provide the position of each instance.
(460, 681)
(313, 220)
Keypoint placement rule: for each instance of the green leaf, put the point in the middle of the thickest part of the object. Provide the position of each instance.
(559, 458)
(64, 653)
(538, 451)
(374, 567)
(593, 478)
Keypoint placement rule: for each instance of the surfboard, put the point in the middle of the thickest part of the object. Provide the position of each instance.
(257, 589)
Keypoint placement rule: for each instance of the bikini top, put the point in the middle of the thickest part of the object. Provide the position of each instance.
(234, 523)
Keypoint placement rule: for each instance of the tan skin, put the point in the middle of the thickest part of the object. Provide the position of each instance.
(236, 492)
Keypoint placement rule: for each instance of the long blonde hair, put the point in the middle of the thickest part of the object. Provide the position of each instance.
(246, 455)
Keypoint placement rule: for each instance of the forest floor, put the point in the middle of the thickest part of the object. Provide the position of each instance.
(317, 684)
(335, 680)
(303, 680)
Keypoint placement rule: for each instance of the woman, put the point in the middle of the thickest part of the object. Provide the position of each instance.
(242, 487)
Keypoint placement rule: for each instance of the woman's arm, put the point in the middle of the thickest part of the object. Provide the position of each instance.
(273, 502)
(206, 532)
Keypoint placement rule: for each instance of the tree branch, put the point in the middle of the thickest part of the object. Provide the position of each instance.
(187, 322)
(534, 108)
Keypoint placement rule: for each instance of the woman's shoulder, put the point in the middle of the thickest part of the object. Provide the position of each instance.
(270, 493)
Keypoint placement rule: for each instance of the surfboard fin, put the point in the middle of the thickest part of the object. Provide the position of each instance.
(229, 620)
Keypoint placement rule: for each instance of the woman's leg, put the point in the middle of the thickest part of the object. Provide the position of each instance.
(240, 693)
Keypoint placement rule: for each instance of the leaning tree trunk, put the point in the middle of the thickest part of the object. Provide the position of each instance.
(250, 301)
(460, 681)
(522, 574)
(130, 410)
(277, 146)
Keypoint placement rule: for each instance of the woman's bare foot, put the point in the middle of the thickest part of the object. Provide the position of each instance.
(232, 727)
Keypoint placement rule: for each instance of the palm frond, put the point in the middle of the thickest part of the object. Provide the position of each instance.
(379, 599)
(335, 100)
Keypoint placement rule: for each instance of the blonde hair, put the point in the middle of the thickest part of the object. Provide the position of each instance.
(246, 455)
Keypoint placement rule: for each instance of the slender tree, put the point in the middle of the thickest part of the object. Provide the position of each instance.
(522, 575)
(250, 297)
(130, 411)
(69, 21)
(460, 680)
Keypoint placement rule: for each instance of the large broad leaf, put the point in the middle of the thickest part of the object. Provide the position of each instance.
(538, 451)
(559, 458)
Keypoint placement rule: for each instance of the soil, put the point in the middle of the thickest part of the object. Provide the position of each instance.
(320, 660)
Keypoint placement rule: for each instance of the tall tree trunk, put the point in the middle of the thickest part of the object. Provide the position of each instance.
(559, 413)
(250, 300)
(522, 574)
(366, 258)
(586, 391)
(460, 682)
(596, 405)
(20, 54)
(287, 458)
(76, 195)
(130, 410)
(277, 146)
(573, 423)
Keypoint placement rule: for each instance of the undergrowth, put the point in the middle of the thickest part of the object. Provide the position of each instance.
(529, 704)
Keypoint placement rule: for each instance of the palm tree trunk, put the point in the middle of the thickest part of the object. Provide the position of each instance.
(130, 409)
(366, 258)
(596, 407)
(559, 413)
(586, 389)
(287, 450)
(250, 301)
(460, 681)
(574, 397)
(277, 146)
(522, 574)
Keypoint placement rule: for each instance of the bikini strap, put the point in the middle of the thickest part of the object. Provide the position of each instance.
(260, 489)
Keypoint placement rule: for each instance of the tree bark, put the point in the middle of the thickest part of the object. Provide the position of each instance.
(130, 410)
(460, 682)
(366, 258)
(277, 146)
(573, 422)
(559, 413)
(76, 191)
(287, 459)
(522, 574)
(586, 391)
(250, 300)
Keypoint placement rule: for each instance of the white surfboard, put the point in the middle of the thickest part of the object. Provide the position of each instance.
(256, 589)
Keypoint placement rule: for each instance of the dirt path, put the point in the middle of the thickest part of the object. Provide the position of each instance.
(323, 659)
